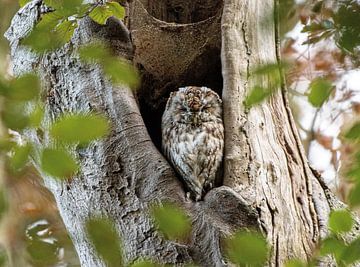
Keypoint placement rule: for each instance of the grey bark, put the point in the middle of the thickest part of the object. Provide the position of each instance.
(268, 184)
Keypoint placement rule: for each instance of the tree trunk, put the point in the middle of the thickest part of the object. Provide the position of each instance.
(267, 183)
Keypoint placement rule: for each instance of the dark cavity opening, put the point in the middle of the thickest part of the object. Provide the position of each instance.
(180, 11)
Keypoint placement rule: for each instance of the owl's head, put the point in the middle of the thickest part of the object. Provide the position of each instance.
(194, 105)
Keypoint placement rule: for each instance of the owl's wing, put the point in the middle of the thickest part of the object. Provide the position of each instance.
(184, 164)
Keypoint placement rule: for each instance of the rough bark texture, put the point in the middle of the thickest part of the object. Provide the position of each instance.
(268, 184)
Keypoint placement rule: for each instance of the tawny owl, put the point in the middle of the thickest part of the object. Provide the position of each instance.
(193, 136)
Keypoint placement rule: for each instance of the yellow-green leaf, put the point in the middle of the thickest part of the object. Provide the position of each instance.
(354, 132)
(320, 90)
(79, 128)
(58, 163)
(295, 263)
(352, 253)
(66, 29)
(121, 72)
(256, 96)
(94, 52)
(144, 263)
(332, 246)
(36, 116)
(171, 221)
(21, 4)
(247, 248)
(117, 10)
(340, 221)
(20, 157)
(106, 241)
(354, 196)
(4, 204)
(100, 14)
(24, 88)
(14, 115)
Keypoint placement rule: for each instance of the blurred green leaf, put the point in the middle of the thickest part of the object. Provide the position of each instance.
(333, 246)
(354, 132)
(94, 52)
(3, 203)
(247, 248)
(20, 157)
(105, 240)
(352, 253)
(117, 10)
(340, 221)
(6, 145)
(144, 263)
(320, 90)
(24, 88)
(43, 252)
(171, 221)
(295, 263)
(56, 4)
(36, 116)
(58, 163)
(3, 258)
(21, 4)
(53, 31)
(100, 14)
(121, 72)
(66, 29)
(256, 96)
(65, 7)
(354, 196)
(79, 128)
(14, 115)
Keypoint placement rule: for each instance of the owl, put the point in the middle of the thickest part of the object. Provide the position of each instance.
(193, 137)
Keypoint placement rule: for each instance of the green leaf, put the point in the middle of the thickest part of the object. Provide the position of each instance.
(105, 240)
(117, 10)
(352, 253)
(14, 115)
(79, 128)
(256, 96)
(94, 52)
(20, 157)
(21, 4)
(333, 246)
(354, 196)
(56, 4)
(6, 145)
(320, 90)
(43, 253)
(3, 258)
(295, 263)
(340, 221)
(36, 116)
(65, 7)
(171, 221)
(247, 248)
(144, 263)
(58, 163)
(66, 29)
(24, 88)
(100, 14)
(52, 32)
(121, 72)
(354, 132)
(4, 204)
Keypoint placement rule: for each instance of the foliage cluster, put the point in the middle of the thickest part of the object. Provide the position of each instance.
(23, 110)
